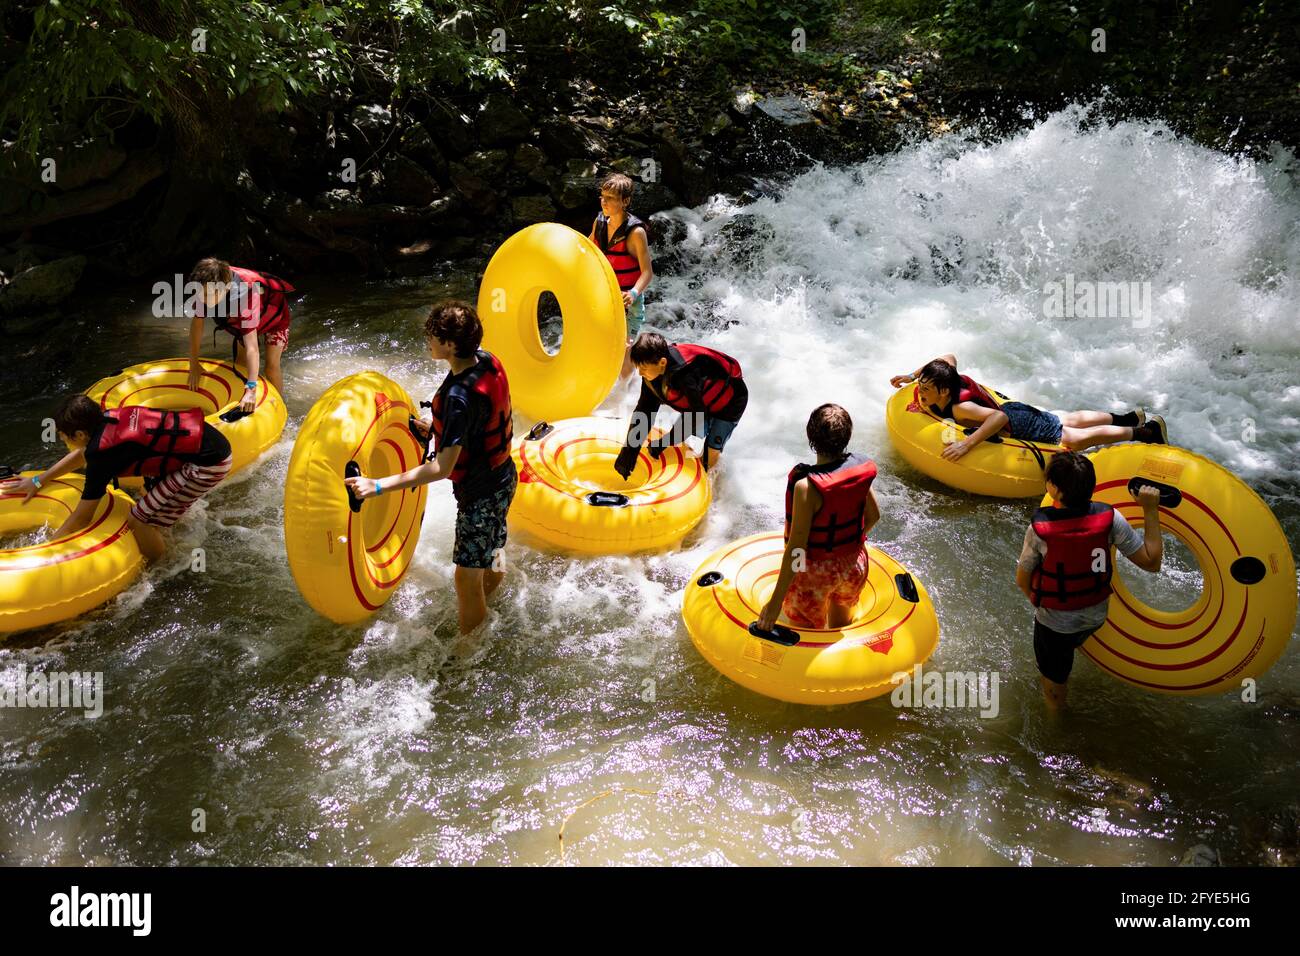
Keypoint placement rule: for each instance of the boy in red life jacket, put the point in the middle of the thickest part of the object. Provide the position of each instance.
(471, 428)
(244, 304)
(180, 455)
(1065, 565)
(703, 384)
(949, 394)
(622, 237)
(829, 509)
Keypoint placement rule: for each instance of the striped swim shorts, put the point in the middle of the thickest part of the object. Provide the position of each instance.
(172, 496)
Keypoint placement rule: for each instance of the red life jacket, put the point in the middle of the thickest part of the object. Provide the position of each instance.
(971, 391)
(716, 393)
(626, 267)
(839, 525)
(256, 294)
(162, 433)
(487, 380)
(1066, 581)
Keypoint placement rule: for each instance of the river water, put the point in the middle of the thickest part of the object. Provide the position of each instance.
(239, 727)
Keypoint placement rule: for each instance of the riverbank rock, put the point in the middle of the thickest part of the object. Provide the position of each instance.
(501, 122)
(478, 176)
(530, 209)
(579, 185)
(563, 137)
(42, 286)
(531, 162)
(406, 183)
(452, 130)
(1200, 855)
(417, 144)
(372, 124)
(651, 195)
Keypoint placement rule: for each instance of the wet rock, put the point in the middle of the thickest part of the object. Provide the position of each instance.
(579, 185)
(406, 183)
(86, 162)
(782, 128)
(22, 256)
(1200, 855)
(501, 122)
(336, 199)
(41, 286)
(650, 194)
(531, 162)
(370, 184)
(477, 178)
(38, 322)
(788, 111)
(452, 131)
(562, 137)
(716, 125)
(419, 146)
(370, 125)
(745, 235)
(685, 168)
(530, 209)
(742, 103)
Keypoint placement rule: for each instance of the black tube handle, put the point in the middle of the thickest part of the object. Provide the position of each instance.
(780, 634)
(1170, 497)
(540, 430)
(352, 470)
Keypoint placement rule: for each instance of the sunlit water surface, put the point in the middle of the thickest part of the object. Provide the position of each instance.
(305, 742)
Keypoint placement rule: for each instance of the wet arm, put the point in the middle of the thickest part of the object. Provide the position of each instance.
(196, 338)
(69, 462)
(1149, 556)
(797, 544)
(430, 471)
(643, 416)
(994, 420)
(79, 518)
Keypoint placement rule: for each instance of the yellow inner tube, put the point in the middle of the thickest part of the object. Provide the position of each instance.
(348, 563)
(894, 627)
(549, 257)
(164, 384)
(1247, 608)
(570, 497)
(44, 583)
(1005, 468)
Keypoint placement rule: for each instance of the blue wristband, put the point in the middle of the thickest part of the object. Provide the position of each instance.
(251, 383)
(379, 489)
(36, 480)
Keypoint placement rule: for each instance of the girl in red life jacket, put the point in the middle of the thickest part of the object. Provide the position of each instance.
(245, 304)
(949, 394)
(181, 456)
(1065, 565)
(622, 237)
(471, 431)
(829, 509)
